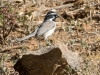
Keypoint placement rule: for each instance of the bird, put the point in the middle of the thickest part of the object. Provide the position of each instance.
(46, 28)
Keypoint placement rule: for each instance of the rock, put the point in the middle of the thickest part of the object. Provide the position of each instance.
(46, 61)
(38, 64)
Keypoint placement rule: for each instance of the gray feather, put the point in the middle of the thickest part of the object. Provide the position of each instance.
(28, 36)
(46, 26)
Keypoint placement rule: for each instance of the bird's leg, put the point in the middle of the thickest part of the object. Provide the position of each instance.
(48, 42)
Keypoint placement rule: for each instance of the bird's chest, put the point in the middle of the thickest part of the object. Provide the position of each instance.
(48, 33)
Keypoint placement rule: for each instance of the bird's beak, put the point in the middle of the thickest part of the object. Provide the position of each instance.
(60, 17)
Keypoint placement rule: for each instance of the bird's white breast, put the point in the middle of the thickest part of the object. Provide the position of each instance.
(48, 33)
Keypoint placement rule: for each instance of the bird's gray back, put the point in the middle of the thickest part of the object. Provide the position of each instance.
(44, 27)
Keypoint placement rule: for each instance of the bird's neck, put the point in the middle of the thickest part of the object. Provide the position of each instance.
(52, 19)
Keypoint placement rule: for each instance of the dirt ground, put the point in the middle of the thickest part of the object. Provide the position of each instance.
(78, 28)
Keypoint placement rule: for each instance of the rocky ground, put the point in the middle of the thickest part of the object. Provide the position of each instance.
(78, 28)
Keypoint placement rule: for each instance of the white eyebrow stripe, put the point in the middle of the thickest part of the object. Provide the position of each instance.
(52, 13)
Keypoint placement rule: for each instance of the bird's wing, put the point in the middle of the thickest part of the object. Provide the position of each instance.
(45, 27)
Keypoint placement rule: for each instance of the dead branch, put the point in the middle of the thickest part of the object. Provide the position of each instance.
(10, 48)
(63, 6)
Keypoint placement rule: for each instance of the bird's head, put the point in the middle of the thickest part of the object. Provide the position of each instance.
(51, 15)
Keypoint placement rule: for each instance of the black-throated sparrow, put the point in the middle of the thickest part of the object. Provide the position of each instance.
(46, 28)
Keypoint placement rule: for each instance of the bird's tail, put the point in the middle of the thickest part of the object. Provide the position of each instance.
(28, 36)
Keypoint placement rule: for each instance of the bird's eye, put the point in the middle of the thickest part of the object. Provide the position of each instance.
(56, 15)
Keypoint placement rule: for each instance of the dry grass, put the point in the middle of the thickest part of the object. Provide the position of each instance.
(78, 28)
